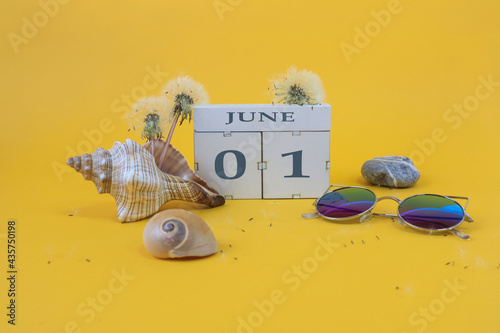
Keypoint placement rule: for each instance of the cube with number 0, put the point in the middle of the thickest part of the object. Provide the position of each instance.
(263, 151)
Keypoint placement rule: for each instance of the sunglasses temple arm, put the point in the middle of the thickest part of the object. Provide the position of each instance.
(327, 190)
(334, 185)
(457, 197)
(467, 216)
(316, 201)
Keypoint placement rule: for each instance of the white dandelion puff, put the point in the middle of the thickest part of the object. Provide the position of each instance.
(149, 115)
(298, 87)
(182, 93)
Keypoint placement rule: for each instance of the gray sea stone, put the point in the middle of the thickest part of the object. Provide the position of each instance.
(391, 171)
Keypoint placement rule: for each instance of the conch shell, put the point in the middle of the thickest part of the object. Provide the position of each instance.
(174, 163)
(177, 233)
(129, 173)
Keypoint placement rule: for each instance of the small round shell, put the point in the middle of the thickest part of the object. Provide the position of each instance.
(177, 233)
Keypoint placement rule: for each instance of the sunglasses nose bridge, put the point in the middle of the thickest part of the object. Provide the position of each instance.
(389, 197)
(388, 215)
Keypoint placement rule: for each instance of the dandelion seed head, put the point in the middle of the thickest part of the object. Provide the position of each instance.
(184, 92)
(298, 87)
(149, 115)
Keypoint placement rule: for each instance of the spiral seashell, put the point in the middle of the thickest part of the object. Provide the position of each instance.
(174, 163)
(177, 233)
(96, 167)
(129, 173)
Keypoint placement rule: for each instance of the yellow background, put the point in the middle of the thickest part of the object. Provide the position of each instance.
(76, 70)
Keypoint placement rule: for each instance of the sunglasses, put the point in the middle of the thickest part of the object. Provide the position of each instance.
(427, 212)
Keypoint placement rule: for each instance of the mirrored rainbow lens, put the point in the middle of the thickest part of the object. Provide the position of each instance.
(346, 202)
(431, 212)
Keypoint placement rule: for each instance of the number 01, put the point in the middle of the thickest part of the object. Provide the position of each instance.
(241, 164)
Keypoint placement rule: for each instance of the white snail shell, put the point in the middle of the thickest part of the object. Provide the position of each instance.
(177, 233)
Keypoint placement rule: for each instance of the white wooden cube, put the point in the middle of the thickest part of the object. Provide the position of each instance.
(254, 151)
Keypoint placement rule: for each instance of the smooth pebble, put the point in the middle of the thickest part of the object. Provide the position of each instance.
(391, 171)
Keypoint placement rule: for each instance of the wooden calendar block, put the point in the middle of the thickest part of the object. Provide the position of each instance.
(251, 151)
(298, 165)
(228, 162)
(261, 118)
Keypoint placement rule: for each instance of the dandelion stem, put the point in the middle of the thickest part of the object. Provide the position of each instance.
(169, 137)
